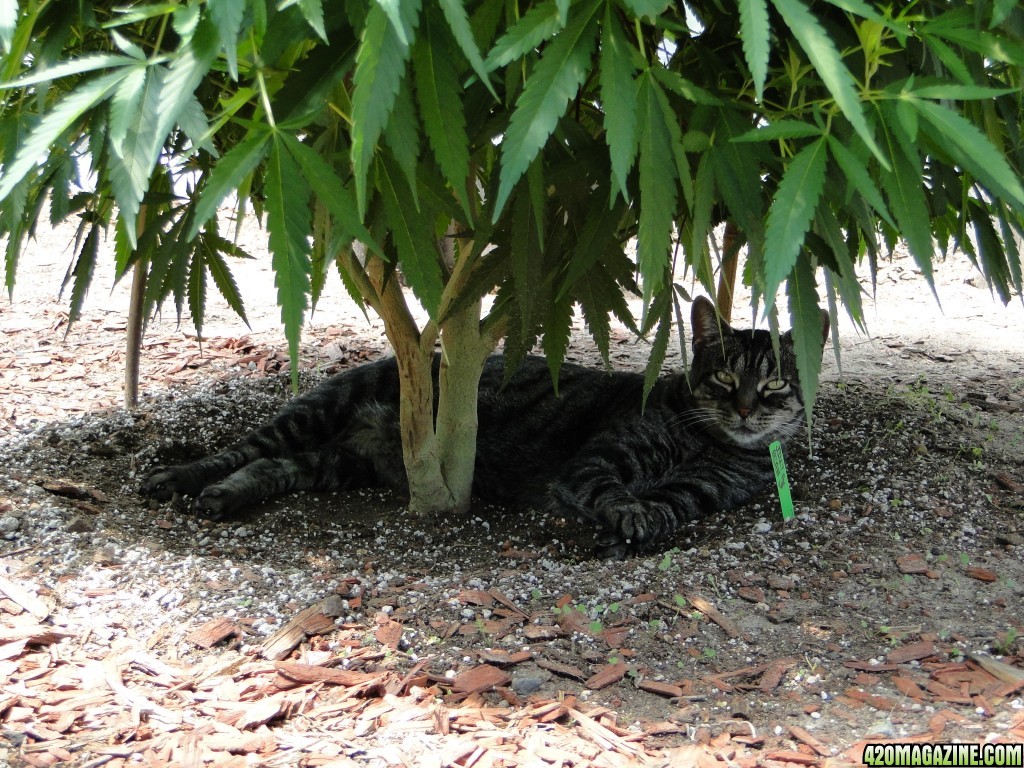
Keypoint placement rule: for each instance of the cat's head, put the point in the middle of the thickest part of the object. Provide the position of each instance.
(745, 395)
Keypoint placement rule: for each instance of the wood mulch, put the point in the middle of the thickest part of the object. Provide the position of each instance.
(293, 703)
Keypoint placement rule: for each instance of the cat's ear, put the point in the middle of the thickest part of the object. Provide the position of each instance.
(704, 322)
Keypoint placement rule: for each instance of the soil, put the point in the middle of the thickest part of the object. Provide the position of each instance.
(889, 608)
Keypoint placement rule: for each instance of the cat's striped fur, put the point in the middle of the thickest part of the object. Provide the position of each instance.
(701, 443)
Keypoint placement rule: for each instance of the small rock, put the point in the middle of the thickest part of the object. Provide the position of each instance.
(751, 594)
(524, 685)
(778, 581)
(9, 524)
(80, 524)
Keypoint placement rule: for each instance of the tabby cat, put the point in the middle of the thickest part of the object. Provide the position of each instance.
(701, 443)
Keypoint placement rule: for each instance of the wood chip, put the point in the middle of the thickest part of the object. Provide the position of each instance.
(805, 737)
(981, 574)
(480, 679)
(314, 620)
(475, 597)
(789, 756)
(662, 689)
(911, 564)
(713, 613)
(998, 669)
(873, 699)
(502, 657)
(213, 632)
(912, 652)
(534, 632)
(909, 688)
(24, 598)
(311, 673)
(606, 675)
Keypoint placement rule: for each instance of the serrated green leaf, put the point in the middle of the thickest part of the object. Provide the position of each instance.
(214, 247)
(994, 265)
(538, 24)
(685, 88)
(756, 34)
(781, 129)
(657, 185)
(124, 251)
(827, 62)
(958, 26)
(958, 92)
(856, 174)
(77, 66)
(527, 257)
(791, 213)
(228, 175)
(125, 103)
(313, 12)
(172, 248)
(737, 171)
(403, 16)
(596, 318)
(380, 66)
(458, 23)
(597, 232)
(973, 150)
(660, 312)
(288, 227)
(12, 223)
(1001, 10)
(197, 292)
(440, 97)
(557, 329)
(80, 276)
(846, 279)
(909, 206)
(618, 99)
(227, 15)
(805, 317)
(649, 8)
(1012, 251)
(185, 73)
(135, 152)
(403, 136)
(330, 190)
(950, 58)
(553, 83)
(64, 114)
(414, 236)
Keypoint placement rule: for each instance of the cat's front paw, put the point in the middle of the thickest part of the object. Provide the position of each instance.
(163, 482)
(216, 501)
(611, 546)
(632, 526)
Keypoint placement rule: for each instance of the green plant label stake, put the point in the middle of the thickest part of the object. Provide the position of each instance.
(781, 480)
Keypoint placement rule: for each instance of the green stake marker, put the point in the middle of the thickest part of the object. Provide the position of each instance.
(781, 480)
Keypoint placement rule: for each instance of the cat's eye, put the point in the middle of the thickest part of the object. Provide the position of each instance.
(776, 385)
(724, 377)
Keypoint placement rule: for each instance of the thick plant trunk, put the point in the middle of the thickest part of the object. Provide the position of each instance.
(439, 449)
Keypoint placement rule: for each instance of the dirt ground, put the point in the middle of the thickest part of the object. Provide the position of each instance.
(340, 630)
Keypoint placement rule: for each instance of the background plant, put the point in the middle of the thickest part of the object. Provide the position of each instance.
(513, 149)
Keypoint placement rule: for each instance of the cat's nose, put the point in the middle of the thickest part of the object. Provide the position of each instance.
(743, 412)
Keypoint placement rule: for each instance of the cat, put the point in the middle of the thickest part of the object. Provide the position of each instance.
(634, 473)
